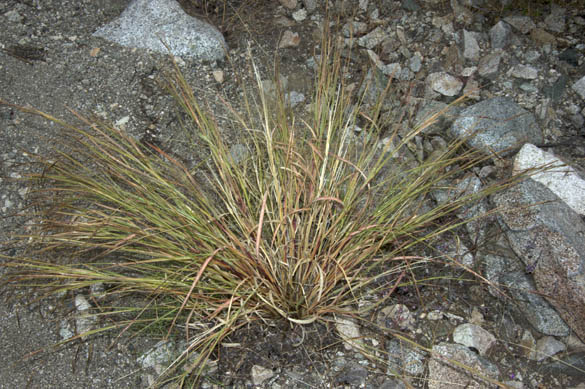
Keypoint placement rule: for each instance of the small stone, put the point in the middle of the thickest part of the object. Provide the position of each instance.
(470, 46)
(294, 98)
(527, 343)
(289, 4)
(541, 37)
(546, 347)
(410, 5)
(310, 5)
(532, 56)
(570, 56)
(557, 89)
(289, 39)
(300, 15)
(392, 70)
(13, 16)
(579, 87)
(444, 83)
(404, 359)
(373, 38)
(396, 316)
(260, 374)
(353, 29)
(158, 357)
(435, 315)
(472, 335)
(81, 303)
(524, 24)
(283, 21)
(525, 72)
(415, 62)
(98, 291)
(349, 332)
(218, 76)
(500, 35)
(555, 21)
(84, 321)
(472, 89)
(488, 65)
(122, 121)
(352, 374)
(468, 72)
(476, 315)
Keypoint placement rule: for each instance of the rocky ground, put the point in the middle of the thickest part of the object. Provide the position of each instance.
(531, 52)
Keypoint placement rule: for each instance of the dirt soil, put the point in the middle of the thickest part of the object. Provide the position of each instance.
(50, 60)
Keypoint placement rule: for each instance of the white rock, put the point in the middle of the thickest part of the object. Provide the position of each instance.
(218, 76)
(122, 121)
(349, 332)
(351, 29)
(444, 83)
(81, 303)
(84, 321)
(300, 15)
(560, 178)
(146, 22)
(260, 374)
(472, 335)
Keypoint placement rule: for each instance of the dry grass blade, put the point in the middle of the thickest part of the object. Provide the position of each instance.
(297, 230)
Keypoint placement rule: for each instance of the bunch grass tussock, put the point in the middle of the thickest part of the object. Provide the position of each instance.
(297, 229)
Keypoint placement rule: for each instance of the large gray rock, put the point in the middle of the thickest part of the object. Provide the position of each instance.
(148, 23)
(548, 236)
(497, 125)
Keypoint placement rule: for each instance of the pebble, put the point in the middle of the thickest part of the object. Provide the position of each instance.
(579, 87)
(470, 46)
(523, 24)
(524, 71)
(500, 35)
(444, 83)
(261, 374)
(373, 38)
(289, 39)
(13, 16)
(300, 15)
(290, 4)
(472, 335)
(489, 65)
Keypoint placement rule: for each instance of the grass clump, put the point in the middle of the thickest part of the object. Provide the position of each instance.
(311, 218)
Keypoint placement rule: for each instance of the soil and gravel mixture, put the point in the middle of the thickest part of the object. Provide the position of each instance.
(50, 60)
